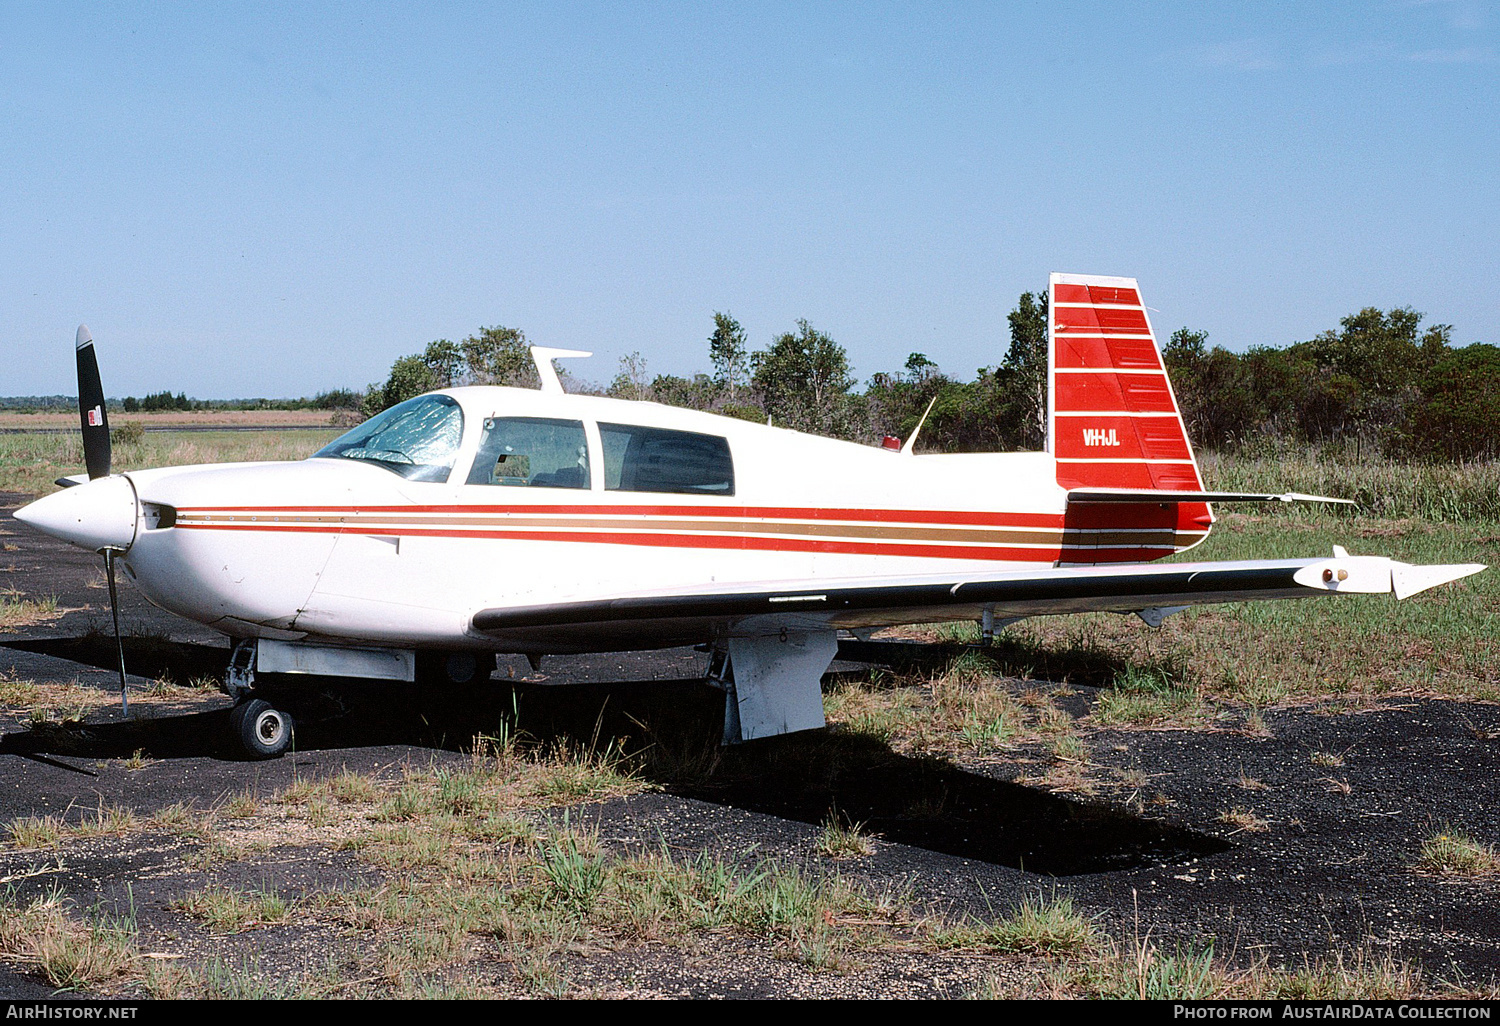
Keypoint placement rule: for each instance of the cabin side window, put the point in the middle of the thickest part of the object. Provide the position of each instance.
(648, 459)
(533, 452)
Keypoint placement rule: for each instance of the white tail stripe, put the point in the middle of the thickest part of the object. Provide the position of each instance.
(1108, 370)
(1098, 306)
(1134, 459)
(1117, 413)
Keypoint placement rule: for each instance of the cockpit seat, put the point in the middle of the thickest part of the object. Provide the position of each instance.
(566, 477)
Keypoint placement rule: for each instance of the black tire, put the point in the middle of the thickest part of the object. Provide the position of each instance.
(263, 730)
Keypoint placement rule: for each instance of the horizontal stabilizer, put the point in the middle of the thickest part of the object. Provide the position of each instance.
(1100, 495)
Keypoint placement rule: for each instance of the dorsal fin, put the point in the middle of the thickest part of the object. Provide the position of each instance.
(543, 357)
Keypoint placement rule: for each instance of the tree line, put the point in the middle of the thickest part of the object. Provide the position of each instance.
(1378, 383)
(800, 380)
(157, 402)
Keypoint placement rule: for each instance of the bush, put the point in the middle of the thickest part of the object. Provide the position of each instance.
(129, 433)
(1459, 409)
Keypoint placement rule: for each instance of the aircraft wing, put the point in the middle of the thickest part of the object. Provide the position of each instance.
(655, 619)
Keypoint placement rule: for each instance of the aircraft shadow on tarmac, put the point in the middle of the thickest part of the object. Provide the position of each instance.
(670, 731)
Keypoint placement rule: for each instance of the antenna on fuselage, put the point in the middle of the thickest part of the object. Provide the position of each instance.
(543, 356)
(912, 441)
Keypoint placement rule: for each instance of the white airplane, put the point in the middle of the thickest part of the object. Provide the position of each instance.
(474, 521)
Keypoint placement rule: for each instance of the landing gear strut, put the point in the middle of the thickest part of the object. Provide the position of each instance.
(263, 730)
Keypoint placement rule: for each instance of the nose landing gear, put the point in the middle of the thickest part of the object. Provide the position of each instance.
(263, 730)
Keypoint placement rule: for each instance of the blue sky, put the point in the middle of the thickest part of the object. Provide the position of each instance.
(253, 199)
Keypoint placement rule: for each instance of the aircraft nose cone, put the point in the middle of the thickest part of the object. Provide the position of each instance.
(99, 514)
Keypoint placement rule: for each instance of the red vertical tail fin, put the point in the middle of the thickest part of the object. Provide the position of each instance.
(1112, 418)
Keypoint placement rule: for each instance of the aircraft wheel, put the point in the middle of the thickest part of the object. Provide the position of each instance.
(263, 730)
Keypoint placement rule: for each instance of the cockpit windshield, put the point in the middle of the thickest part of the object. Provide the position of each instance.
(417, 439)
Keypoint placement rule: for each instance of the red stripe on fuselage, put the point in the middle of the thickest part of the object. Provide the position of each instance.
(902, 516)
(687, 541)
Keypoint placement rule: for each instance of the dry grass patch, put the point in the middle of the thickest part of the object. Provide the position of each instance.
(876, 709)
(970, 702)
(967, 708)
(106, 821)
(17, 692)
(1141, 969)
(1254, 724)
(54, 831)
(1243, 820)
(17, 610)
(535, 899)
(30, 463)
(841, 838)
(472, 867)
(1249, 783)
(1441, 643)
(36, 831)
(69, 953)
(71, 701)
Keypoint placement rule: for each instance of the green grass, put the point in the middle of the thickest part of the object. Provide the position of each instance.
(1435, 492)
(232, 910)
(1451, 852)
(1152, 696)
(1441, 642)
(1039, 925)
(1444, 642)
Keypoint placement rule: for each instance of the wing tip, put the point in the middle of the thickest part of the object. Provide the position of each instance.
(1408, 580)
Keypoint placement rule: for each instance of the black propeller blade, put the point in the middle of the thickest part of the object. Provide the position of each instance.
(96, 455)
(91, 414)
